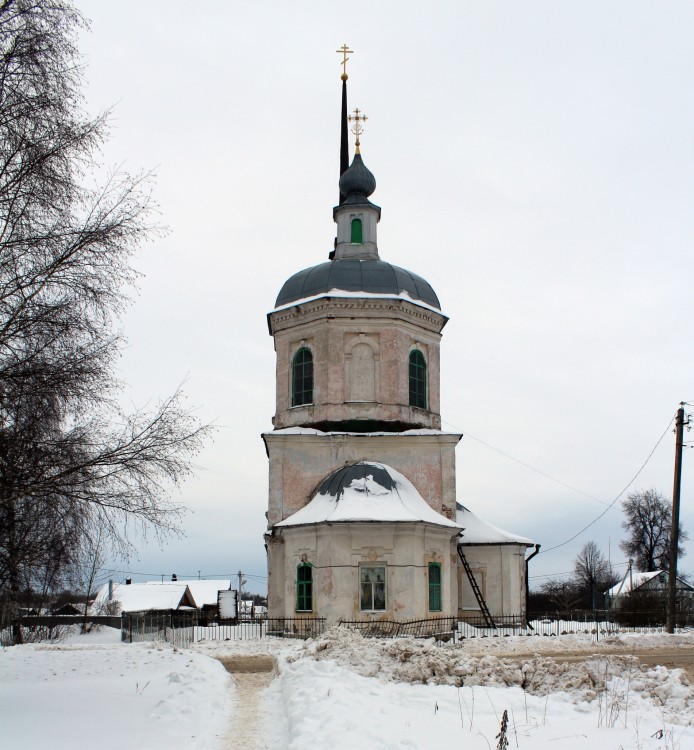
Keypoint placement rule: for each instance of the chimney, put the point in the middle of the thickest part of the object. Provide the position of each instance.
(110, 589)
(128, 581)
(174, 577)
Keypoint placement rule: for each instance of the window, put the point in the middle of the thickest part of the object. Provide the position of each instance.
(418, 380)
(302, 378)
(373, 587)
(434, 587)
(357, 231)
(304, 588)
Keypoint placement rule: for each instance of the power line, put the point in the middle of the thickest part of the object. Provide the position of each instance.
(571, 572)
(526, 465)
(203, 576)
(565, 484)
(631, 481)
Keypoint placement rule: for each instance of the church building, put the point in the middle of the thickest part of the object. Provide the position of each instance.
(363, 521)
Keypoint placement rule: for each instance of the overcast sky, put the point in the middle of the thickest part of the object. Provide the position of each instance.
(534, 162)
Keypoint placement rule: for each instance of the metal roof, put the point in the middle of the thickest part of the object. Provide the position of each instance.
(335, 484)
(353, 275)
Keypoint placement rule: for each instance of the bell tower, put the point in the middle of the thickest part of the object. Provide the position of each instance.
(357, 338)
(357, 342)
(362, 500)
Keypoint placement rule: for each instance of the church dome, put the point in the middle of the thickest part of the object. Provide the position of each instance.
(357, 180)
(355, 275)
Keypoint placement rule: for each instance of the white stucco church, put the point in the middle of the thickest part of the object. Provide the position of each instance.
(363, 521)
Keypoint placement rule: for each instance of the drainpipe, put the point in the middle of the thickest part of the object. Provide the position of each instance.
(527, 579)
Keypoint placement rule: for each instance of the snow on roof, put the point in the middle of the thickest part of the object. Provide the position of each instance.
(313, 431)
(477, 531)
(347, 293)
(632, 582)
(203, 591)
(140, 597)
(366, 491)
(635, 580)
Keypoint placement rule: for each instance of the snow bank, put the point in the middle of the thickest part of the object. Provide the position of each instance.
(425, 662)
(324, 704)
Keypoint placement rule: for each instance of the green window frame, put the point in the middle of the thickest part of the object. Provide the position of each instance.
(357, 232)
(418, 379)
(372, 588)
(435, 587)
(302, 377)
(304, 587)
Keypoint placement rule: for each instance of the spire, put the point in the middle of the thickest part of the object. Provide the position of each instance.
(344, 148)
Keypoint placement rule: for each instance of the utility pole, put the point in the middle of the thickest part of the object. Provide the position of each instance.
(675, 528)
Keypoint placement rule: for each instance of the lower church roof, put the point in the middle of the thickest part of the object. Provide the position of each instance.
(366, 492)
(477, 531)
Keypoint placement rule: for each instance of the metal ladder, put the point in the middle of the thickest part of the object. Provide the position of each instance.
(476, 590)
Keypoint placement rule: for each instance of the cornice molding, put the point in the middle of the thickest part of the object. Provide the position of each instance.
(327, 307)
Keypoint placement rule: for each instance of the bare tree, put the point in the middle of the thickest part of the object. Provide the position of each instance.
(565, 595)
(592, 571)
(94, 557)
(71, 461)
(648, 520)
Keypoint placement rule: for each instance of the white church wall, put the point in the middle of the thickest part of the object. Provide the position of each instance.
(338, 552)
(499, 570)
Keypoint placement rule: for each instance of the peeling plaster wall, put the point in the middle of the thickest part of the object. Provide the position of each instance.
(299, 463)
(336, 552)
(334, 329)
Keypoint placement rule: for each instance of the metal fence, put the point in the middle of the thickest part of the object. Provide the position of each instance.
(597, 624)
(629, 617)
(184, 628)
(441, 628)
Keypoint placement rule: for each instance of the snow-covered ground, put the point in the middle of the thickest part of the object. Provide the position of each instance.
(93, 691)
(344, 691)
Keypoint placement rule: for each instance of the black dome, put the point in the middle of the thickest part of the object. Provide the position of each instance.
(357, 180)
(353, 275)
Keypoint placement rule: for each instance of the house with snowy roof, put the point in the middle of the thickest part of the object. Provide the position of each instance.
(205, 592)
(648, 587)
(117, 598)
(363, 519)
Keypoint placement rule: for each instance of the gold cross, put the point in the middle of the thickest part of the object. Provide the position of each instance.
(357, 118)
(344, 51)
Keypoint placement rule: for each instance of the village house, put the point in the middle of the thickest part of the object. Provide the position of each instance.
(648, 590)
(117, 598)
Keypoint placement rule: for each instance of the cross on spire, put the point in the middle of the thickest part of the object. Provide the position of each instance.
(344, 51)
(357, 118)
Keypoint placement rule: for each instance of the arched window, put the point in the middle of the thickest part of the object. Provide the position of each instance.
(357, 231)
(418, 379)
(302, 377)
(304, 588)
